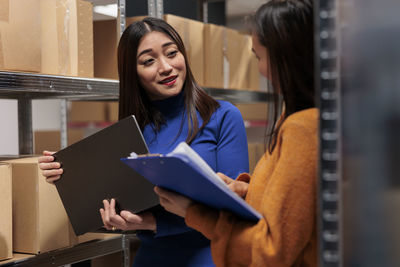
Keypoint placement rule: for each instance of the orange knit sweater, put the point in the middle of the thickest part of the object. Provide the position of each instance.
(283, 189)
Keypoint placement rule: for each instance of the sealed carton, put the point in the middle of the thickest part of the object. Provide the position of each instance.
(40, 222)
(47, 36)
(214, 56)
(105, 42)
(6, 212)
(20, 30)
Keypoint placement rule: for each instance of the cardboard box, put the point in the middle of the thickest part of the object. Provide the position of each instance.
(228, 59)
(52, 37)
(40, 222)
(51, 140)
(191, 32)
(87, 111)
(236, 64)
(105, 43)
(253, 111)
(20, 30)
(213, 56)
(67, 37)
(112, 111)
(6, 212)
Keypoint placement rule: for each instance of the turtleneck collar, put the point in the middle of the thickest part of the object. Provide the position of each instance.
(170, 106)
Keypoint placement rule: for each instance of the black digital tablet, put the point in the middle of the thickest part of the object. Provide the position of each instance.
(93, 171)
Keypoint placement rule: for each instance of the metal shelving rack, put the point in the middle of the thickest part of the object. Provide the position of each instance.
(80, 252)
(26, 86)
(327, 85)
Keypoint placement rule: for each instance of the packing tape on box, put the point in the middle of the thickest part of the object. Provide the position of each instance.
(225, 65)
(4, 10)
(63, 21)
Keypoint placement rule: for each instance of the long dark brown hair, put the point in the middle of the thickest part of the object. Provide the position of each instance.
(133, 99)
(285, 28)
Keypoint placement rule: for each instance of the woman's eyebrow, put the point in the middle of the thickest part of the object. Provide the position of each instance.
(150, 50)
(145, 51)
(168, 44)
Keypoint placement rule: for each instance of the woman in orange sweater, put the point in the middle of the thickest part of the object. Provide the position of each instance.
(283, 185)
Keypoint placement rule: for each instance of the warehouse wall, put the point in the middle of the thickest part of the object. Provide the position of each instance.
(45, 116)
(9, 127)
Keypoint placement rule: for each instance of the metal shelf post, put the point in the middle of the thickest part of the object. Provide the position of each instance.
(328, 88)
(25, 139)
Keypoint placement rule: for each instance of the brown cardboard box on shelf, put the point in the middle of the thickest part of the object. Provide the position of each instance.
(40, 222)
(253, 111)
(228, 60)
(67, 37)
(252, 73)
(213, 56)
(191, 32)
(105, 43)
(51, 140)
(52, 37)
(6, 212)
(237, 60)
(20, 42)
(87, 111)
(112, 111)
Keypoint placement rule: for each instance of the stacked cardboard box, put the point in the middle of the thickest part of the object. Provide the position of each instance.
(47, 36)
(39, 220)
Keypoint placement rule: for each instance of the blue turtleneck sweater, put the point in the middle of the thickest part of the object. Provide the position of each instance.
(223, 145)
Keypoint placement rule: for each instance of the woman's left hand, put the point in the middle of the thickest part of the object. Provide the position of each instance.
(173, 202)
(126, 220)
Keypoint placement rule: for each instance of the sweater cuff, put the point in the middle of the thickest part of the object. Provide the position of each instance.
(202, 218)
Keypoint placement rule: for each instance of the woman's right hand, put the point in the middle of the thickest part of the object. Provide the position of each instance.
(239, 187)
(50, 169)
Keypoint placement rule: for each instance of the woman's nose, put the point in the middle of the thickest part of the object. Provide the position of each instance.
(164, 67)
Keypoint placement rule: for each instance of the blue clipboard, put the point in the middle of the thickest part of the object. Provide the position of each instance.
(186, 173)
